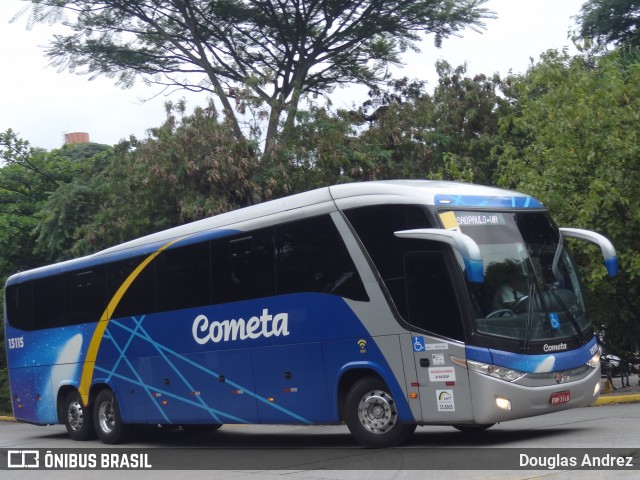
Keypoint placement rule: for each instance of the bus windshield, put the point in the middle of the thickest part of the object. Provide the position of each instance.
(531, 291)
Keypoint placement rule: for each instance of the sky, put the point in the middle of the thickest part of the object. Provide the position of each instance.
(41, 104)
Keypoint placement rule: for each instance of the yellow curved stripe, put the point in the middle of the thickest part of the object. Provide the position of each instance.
(96, 339)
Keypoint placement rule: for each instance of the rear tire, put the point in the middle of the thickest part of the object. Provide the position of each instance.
(372, 416)
(107, 419)
(77, 418)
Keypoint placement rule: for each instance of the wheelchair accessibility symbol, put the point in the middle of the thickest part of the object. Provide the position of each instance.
(554, 318)
(418, 344)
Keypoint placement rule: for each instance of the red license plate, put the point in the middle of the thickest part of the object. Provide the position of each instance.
(560, 397)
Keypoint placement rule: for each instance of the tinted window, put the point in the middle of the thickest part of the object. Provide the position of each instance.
(375, 225)
(19, 301)
(243, 266)
(85, 295)
(311, 257)
(414, 271)
(431, 301)
(183, 277)
(48, 302)
(139, 298)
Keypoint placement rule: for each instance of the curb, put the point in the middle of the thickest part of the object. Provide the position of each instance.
(4, 418)
(614, 399)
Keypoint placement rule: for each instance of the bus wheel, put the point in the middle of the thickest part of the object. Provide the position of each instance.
(77, 418)
(372, 416)
(107, 419)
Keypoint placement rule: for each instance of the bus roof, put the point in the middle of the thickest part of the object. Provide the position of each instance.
(322, 200)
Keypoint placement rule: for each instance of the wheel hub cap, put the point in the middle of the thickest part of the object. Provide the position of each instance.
(377, 412)
(75, 415)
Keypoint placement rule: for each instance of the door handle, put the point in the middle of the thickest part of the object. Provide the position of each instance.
(424, 362)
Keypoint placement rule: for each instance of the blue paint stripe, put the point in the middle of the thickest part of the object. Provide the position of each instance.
(174, 396)
(173, 367)
(112, 373)
(215, 375)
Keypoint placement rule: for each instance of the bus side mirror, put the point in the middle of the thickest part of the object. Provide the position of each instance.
(607, 248)
(466, 249)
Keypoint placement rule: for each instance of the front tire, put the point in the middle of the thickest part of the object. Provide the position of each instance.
(372, 416)
(107, 419)
(78, 419)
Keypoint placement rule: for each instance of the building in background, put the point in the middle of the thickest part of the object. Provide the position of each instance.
(76, 137)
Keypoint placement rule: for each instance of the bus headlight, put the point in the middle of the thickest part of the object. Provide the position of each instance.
(503, 373)
(595, 360)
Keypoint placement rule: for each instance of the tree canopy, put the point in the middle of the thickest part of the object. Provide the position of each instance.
(572, 141)
(261, 55)
(614, 22)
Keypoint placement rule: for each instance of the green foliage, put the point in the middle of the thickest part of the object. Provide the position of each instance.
(610, 22)
(5, 395)
(402, 131)
(574, 144)
(191, 167)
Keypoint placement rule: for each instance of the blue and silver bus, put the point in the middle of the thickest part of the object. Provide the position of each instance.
(382, 305)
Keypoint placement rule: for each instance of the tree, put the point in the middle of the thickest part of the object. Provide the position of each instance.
(264, 55)
(614, 22)
(189, 168)
(572, 141)
(39, 204)
(72, 204)
(403, 131)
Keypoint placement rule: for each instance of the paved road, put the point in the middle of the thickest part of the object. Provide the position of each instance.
(270, 452)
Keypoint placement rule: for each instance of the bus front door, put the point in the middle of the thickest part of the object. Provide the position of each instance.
(444, 393)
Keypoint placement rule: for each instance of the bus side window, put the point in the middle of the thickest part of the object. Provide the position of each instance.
(375, 226)
(183, 277)
(20, 305)
(85, 295)
(431, 299)
(242, 266)
(48, 302)
(140, 297)
(311, 257)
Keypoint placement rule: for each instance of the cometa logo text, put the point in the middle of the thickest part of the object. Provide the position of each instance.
(266, 325)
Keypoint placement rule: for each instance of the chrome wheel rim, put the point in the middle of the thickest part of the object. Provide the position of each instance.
(75, 415)
(377, 412)
(106, 417)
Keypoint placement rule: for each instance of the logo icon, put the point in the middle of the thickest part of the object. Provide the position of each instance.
(418, 344)
(362, 343)
(554, 319)
(23, 459)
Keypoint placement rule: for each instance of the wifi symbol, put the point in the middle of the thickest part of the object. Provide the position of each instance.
(362, 343)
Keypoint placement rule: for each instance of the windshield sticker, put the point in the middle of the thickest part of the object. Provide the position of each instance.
(554, 320)
(449, 221)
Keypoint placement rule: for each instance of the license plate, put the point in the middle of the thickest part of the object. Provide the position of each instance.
(560, 397)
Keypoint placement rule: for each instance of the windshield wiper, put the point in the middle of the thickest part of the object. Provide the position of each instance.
(550, 287)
